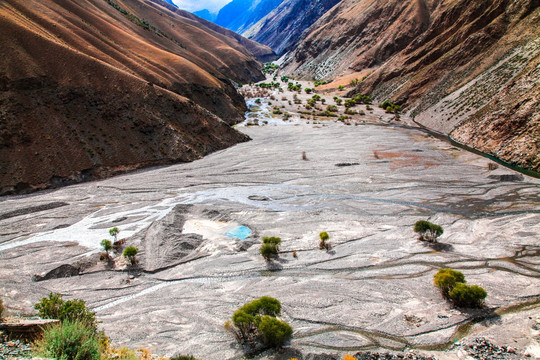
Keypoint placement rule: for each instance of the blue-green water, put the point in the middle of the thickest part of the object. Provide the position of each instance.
(239, 232)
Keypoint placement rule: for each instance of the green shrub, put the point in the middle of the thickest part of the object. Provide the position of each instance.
(331, 108)
(256, 321)
(272, 240)
(114, 233)
(1, 308)
(323, 243)
(69, 340)
(130, 252)
(446, 279)
(106, 245)
(350, 103)
(274, 332)
(268, 251)
(468, 296)
(428, 231)
(54, 307)
(308, 90)
(341, 87)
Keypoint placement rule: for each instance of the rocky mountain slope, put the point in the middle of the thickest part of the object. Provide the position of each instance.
(465, 68)
(88, 89)
(205, 14)
(240, 15)
(282, 28)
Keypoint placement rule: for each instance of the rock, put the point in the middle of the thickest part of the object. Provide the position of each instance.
(25, 329)
(62, 271)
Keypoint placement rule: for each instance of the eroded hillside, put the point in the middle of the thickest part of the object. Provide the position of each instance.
(92, 88)
(469, 69)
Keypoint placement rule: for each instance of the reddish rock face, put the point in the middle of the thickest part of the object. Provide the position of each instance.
(459, 67)
(88, 89)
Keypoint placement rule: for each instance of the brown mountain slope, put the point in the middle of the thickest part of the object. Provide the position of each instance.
(460, 67)
(94, 87)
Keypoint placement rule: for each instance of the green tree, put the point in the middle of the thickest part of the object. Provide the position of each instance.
(323, 243)
(256, 321)
(114, 232)
(129, 253)
(268, 251)
(106, 245)
(428, 231)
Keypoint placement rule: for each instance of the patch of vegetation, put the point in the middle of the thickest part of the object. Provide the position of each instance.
(106, 245)
(453, 286)
(350, 103)
(129, 253)
(321, 82)
(69, 340)
(341, 87)
(270, 68)
(354, 82)
(271, 85)
(390, 108)
(331, 108)
(294, 87)
(446, 279)
(362, 99)
(75, 311)
(308, 90)
(323, 243)
(270, 247)
(428, 231)
(256, 322)
(114, 233)
(468, 295)
(2, 309)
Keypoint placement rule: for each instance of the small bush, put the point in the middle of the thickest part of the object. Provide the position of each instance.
(446, 279)
(341, 87)
(468, 296)
(69, 340)
(106, 245)
(268, 251)
(275, 332)
(272, 240)
(323, 243)
(256, 322)
(428, 231)
(114, 233)
(130, 252)
(331, 108)
(54, 307)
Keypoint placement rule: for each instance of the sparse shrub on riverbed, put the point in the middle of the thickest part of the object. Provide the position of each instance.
(255, 323)
(323, 243)
(270, 247)
(453, 287)
(428, 231)
(69, 340)
(130, 252)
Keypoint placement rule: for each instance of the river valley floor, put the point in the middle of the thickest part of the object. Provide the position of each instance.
(364, 184)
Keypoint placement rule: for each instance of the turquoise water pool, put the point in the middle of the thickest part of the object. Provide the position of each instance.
(239, 232)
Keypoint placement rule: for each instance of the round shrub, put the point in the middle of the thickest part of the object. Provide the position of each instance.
(428, 231)
(268, 251)
(69, 341)
(274, 332)
(130, 252)
(446, 279)
(468, 296)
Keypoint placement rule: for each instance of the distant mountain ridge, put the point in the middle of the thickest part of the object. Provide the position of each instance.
(206, 15)
(283, 26)
(240, 15)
